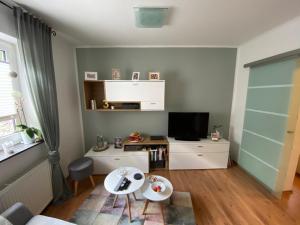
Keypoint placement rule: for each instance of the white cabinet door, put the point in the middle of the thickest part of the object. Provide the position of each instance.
(103, 165)
(198, 148)
(122, 91)
(148, 91)
(181, 161)
(152, 91)
(106, 164)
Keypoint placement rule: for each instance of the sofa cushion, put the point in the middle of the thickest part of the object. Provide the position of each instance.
(45, 220)
(17, 214)
(4, 221)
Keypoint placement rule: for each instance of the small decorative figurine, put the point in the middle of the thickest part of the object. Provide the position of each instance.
(116, 74)
(105, 104)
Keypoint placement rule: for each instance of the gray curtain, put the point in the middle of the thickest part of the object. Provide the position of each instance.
(34, 41)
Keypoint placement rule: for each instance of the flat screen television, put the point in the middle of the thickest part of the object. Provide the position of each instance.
(189, 126)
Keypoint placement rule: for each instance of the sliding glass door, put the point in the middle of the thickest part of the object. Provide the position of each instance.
(271, 110)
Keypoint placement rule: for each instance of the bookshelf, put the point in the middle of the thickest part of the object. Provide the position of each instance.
(158, 151)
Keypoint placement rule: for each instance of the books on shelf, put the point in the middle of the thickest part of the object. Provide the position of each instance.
(157, 154)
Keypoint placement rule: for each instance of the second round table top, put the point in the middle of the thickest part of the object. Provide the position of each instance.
(151, 195)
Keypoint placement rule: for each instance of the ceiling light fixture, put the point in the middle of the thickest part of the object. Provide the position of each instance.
(150, 17)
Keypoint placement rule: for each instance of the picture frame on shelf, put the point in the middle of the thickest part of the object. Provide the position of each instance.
(116, 74)
(90, 76)
(154, 76)
(135, 76)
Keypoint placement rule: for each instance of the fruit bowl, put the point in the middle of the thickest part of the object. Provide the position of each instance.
(158, 186)
(135, 137)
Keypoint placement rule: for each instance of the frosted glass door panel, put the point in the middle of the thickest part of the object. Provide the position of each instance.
(280, 73)
(266, 150)
(260, 170)
(267, 125)
(269, 99)
(266, 117)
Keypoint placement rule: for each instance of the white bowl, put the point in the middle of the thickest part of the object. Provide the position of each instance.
(160, 184)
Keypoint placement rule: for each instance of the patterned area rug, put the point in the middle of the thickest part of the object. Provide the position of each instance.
(97, 210)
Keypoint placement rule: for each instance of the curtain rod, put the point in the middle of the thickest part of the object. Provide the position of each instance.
(5, 4)
(285, 55)
(11, 7)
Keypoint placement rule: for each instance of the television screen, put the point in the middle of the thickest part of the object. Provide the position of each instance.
(188, 125)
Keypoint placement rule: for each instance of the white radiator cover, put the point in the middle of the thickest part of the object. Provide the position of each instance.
(34, 189)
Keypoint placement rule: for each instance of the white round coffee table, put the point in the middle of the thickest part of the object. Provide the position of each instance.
(113, 178)
(151, 195)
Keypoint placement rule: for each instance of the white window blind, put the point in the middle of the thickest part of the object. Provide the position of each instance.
(7, 103)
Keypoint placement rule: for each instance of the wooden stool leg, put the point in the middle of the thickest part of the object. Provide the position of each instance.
(129, 209)
(115, 200)
(162, 212)
(92, 181)
(75, 187)
(134, 196)
(145, 206)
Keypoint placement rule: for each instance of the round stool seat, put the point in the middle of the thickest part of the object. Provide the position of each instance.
(81, 168)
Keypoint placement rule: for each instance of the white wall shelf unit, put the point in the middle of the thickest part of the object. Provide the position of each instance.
(126, 95)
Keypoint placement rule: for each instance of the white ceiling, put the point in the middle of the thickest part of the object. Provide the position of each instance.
(190, 22)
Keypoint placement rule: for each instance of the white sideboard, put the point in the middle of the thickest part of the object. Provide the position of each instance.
(151, 94)
(204, 154)
(110, 159)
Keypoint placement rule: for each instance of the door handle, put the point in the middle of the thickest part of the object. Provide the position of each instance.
(200, 155)
(152, 103)
(290, 131)
(200, 146)
(117, 159)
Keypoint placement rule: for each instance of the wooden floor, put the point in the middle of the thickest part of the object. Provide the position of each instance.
(219, 197)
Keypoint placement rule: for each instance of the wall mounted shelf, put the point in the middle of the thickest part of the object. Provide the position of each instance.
(125, 95)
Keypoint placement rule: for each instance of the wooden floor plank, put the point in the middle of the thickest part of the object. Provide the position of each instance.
(219, 197)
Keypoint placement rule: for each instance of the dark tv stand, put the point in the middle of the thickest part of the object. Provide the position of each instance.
(187, 138)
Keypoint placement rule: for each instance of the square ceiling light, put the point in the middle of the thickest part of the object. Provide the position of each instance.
(150, 17)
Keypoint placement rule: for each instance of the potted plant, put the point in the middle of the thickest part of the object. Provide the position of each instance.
(29, 134)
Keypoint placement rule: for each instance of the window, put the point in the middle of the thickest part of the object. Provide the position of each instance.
(8, 109)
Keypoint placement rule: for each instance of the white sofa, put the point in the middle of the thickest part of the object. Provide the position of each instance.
(18, 214)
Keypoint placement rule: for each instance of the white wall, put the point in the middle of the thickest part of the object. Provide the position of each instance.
(283, 38)
(7, 24)
(18, 165)
(71, 140)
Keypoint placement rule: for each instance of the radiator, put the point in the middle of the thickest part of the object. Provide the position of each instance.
(34, 189)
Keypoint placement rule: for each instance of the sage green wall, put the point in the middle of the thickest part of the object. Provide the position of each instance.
(197, 79)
